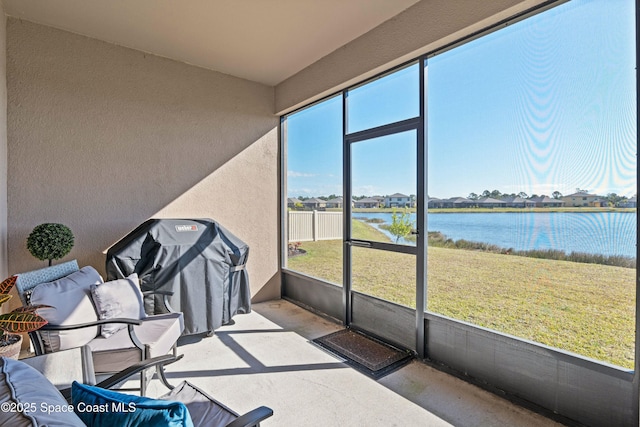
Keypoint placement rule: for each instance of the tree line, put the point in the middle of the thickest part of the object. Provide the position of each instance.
(612, 198)
(334, 196)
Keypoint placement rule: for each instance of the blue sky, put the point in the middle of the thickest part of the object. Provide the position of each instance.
(546, 104)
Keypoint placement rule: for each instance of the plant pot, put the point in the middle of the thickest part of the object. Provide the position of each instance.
(11, 350)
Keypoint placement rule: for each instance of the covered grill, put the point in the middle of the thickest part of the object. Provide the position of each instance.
(202, 263)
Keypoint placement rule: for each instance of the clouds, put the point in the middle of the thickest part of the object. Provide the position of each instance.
(312, 184)
(367, 190)
(319, 190)
(294, 174)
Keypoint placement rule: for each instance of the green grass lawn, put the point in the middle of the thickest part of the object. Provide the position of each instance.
(584, 308)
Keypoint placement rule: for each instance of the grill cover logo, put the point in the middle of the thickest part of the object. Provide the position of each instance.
(183, 228)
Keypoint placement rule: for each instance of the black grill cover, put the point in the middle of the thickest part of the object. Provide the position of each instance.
(197, 259)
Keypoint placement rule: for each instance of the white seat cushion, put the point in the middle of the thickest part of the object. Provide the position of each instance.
(159, 332)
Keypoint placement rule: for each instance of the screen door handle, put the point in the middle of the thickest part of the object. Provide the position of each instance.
(359, 243)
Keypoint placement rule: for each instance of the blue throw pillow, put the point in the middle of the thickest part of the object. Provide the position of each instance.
(99, 407)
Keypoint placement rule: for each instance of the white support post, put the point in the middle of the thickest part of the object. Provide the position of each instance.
(315, 230)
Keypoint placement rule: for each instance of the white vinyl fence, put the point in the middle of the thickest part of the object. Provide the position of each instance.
(308, 226)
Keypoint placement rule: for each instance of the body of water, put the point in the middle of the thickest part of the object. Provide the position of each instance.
(606, 233)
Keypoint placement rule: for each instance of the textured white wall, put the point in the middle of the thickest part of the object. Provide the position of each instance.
(422, 28)
(103, 137)
(4, 271)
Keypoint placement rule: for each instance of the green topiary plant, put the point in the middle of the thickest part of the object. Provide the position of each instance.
(50, 241)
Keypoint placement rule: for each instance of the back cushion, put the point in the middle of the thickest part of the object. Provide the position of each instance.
(28, 399)
(70, 301)
(29, 280)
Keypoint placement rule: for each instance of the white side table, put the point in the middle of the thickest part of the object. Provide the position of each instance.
(64, 367)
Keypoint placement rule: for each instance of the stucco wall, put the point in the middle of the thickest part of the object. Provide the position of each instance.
(103, 137)
(4, 271)
(424, 27)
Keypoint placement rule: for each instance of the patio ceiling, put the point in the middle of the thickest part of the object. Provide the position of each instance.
(263, 41)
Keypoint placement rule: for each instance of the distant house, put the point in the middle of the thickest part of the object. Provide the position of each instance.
(368, 202)
(435, 203)
(398, 200)
(337, 203)
(547, 202)
(292, 202)
(458, 202)
(582, 199)
(314, 204)
(631, 203)
(519, 202)
(489, 202)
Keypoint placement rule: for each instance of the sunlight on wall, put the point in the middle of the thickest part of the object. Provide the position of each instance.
(241, 195)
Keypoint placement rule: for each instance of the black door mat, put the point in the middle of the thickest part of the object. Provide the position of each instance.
(366, 354)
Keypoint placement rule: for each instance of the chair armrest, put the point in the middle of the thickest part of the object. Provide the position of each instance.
(136, 368)
(39, 346)
(50, 327)
(165, 298)
(132, 370)
(252, 418)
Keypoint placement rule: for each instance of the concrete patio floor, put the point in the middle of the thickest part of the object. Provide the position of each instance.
(266, 358)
